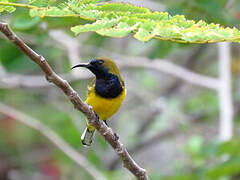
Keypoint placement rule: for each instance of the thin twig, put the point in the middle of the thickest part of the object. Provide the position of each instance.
(53, 137)
(10, 80)
(175, 70)
(73, 96)
(225, 92)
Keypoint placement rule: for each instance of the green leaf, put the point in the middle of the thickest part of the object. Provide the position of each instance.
(101, 24)
(119, 20)
(228, 168)
(53, 11)
(231, 147)
(145, 31)
(6, 8)
(22, 21)
(120, 7)
(121, 30)
(40, 3)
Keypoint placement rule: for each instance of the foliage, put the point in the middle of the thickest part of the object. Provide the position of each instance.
(224, 155)
(7, 8)
(119, 20)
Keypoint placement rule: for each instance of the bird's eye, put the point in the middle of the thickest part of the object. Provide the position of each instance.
(100, 62)
(94, 61)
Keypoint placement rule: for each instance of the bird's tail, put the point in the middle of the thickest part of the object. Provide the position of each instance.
(87, 136)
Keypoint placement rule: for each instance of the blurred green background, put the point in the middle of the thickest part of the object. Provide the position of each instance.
(170, 127)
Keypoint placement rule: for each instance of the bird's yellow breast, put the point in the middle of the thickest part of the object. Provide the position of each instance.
(104, 107)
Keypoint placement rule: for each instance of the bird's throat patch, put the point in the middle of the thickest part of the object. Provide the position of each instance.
(108, 88)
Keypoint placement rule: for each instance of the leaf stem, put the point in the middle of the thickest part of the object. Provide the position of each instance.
(19, 5)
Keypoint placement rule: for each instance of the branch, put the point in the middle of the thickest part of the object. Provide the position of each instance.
(73, 96)
(174, 70)
(225, 92)
(53, 137)
(9, 80)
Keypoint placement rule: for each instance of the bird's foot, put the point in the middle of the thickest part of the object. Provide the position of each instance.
(116, 137)
(97, 117)
(106, 123)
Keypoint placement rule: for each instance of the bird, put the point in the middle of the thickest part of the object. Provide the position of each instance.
(105, 94)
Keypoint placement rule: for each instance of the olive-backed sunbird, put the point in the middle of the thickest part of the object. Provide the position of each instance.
(105, 94)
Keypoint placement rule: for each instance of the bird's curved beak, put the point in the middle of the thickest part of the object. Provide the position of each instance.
(86, 65)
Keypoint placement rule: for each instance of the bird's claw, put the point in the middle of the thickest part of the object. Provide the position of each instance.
(116, 137)
(97, 117)
(105, 122)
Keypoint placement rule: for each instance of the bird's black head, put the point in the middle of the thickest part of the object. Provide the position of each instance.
(109, 83)
(101, 68)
